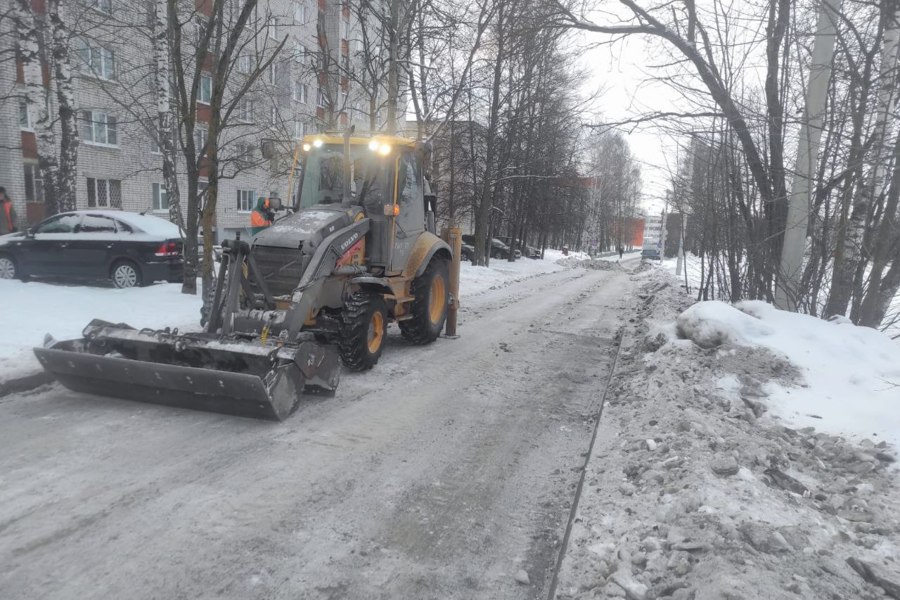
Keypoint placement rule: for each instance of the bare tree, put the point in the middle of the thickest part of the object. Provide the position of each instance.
(43, 42)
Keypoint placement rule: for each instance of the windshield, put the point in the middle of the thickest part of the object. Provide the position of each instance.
(323, 179)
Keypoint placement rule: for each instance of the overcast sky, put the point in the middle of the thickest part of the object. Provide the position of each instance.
(621, 71)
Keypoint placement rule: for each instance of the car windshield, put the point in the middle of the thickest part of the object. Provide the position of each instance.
(323, 178)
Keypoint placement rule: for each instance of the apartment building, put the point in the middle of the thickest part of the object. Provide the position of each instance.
(309, 86)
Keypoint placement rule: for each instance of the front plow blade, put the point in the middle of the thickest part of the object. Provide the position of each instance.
(244, 379)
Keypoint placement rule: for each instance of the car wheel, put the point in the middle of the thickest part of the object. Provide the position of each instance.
(7, 267)
(125, 274)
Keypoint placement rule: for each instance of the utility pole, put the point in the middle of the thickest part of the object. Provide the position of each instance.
(788, 277)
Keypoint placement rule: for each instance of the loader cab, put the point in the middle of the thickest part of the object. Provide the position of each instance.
(386, 181)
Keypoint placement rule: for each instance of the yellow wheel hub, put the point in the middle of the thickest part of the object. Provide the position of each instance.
(376, 331)
(438, 301)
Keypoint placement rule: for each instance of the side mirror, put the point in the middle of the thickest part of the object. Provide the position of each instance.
(29, 233)
(275, 204)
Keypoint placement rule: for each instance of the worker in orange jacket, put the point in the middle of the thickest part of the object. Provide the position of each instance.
(7, 214)
(262, 216)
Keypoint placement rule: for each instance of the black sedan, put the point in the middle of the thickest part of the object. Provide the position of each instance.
(128, 249)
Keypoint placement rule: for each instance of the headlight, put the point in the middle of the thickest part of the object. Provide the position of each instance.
(307, 147)
(317, 143)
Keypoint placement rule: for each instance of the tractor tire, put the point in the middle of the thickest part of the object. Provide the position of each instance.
(363, 329)
(431, 291)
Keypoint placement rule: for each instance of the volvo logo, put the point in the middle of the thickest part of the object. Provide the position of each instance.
(349, 241)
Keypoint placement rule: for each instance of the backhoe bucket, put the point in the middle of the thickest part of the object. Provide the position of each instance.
(243, 378)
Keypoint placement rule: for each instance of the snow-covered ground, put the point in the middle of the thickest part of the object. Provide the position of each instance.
(710, 477)
(36, 308)
(850, 375)
(710, 480)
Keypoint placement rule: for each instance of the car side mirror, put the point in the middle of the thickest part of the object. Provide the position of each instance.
(29, 233)
(275, 203)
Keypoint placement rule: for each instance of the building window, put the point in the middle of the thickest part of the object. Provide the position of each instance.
(299, 129)
(201, 137)
(204, 94)
(98, 127)
(273, 28)
(200, 26)
(160, 197)
(34, 185)
(245, 64)
(273, 75)
(345, 63)
(245, 199)
(104, 193)
(300, 15)
(299, 53)
(97, 61)
(243, 155)
(321, 100)
(155, 148)
(104, 6)
(24, 117)
(301, 92)
(245, 111)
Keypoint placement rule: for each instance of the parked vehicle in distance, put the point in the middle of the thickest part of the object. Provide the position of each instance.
(532, 252)
(650, 253)
(498, 248)
(468, 252)
(126, 248)
(511, 243)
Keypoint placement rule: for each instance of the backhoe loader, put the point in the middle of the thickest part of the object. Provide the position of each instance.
(316, 289)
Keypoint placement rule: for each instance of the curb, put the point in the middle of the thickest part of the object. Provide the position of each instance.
(24, 383)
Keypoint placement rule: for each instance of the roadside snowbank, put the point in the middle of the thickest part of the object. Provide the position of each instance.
(851, 374)
(477, 280)
(34, 309)
(692, 491)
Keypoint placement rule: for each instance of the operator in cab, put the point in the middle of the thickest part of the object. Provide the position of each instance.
(262, 216)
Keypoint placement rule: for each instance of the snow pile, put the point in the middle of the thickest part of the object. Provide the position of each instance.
(35, 309)
(477, 280)
(851, 375)
(691, 492)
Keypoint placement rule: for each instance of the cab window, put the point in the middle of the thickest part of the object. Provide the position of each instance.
(408, 185)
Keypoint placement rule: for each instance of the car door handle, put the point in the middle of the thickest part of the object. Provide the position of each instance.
(109, 245)
(64, 245)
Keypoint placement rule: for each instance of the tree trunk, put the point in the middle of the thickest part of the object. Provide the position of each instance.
(787, 290)
(485, 206)
(37, 101)
(68, 115)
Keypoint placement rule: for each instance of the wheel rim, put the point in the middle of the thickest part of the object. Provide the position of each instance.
(125, 276)
(376, 331)
(7, 268)
(438, 300)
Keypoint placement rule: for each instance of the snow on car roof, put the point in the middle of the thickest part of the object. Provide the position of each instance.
(146, 223)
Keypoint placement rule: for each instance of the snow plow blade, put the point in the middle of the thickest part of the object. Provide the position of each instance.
(242, 378)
